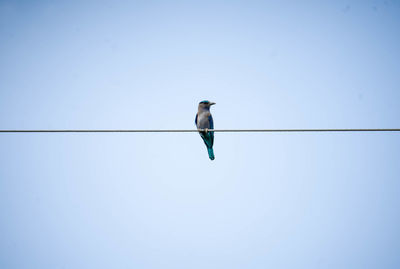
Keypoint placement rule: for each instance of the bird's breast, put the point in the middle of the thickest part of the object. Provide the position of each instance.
(202, 121)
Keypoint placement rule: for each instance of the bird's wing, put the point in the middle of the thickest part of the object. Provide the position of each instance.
(210, 120)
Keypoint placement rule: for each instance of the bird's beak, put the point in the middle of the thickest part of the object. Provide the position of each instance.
(212, 103)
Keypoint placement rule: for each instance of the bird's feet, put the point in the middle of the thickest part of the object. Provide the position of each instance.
(206, 130)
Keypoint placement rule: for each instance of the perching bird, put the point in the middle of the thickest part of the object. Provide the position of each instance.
(204, 120)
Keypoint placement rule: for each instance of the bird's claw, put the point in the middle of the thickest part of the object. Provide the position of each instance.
(206, 130)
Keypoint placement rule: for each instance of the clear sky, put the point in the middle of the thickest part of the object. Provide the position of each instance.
(311, 200)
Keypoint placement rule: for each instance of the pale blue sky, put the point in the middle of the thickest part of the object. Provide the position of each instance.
(326, 200)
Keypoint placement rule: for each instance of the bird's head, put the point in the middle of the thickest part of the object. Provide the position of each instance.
(206, 104)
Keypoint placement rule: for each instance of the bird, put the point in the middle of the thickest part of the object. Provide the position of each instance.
(205, 121)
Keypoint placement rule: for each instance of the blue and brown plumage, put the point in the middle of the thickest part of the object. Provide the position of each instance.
(204, 120)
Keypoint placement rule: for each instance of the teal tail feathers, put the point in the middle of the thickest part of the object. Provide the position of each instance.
(208, 139)
(211, 153)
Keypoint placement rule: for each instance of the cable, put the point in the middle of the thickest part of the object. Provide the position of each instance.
(189, 131)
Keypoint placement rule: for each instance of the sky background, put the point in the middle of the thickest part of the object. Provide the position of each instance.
(298, 200)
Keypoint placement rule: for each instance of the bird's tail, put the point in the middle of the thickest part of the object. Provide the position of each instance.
(210, 153)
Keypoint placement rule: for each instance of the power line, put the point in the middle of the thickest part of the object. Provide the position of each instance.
(195, 130)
